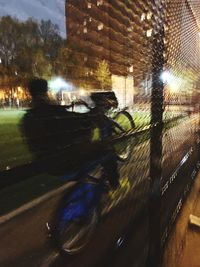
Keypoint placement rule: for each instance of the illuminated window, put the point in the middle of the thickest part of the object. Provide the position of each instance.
(89, 5)
(149, 15)
(85, 30)
(166, 28)
(142, 17)
(129, 29)
(149, 32)
(100, 26)
(131, 68)
(99, 2)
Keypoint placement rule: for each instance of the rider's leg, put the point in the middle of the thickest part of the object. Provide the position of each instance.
(110, 168)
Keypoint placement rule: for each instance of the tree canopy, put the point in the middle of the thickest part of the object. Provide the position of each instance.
(103, 75)
(32, 48)
(27, 49)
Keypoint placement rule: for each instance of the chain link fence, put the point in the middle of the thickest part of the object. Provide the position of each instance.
(148, 53)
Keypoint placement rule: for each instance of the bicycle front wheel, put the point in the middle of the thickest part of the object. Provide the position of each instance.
(123, 123)
(77, 218)
(77, 233)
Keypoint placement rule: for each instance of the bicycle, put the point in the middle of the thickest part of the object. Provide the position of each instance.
(120, 121)
(78, 214)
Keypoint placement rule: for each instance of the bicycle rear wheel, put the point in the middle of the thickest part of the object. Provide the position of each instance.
(123, 123)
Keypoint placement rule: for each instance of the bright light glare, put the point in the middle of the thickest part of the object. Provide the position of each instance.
(82, 92)
(57, 84)
(171, 81)
(166, 76)
(174, 87)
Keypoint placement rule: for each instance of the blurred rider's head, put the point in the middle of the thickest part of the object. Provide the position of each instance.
(38, 87)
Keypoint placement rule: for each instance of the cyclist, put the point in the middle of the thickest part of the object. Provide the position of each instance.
(61, 136)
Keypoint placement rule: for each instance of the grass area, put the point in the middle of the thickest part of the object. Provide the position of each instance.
(14, 151)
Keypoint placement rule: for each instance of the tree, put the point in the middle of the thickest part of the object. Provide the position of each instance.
(41, 65)
(28, 44)
(9, 33)
(51, 41)
(62, 61)
(71, 66)
(103, 75)
(27, 49)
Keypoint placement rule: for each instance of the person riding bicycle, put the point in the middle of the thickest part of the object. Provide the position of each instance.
(64, 137)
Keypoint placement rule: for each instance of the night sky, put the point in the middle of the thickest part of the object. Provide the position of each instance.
(38, 9)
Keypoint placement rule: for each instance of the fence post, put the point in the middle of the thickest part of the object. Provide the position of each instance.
(154, 255)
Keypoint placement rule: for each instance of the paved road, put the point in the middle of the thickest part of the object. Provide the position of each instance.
(183, 247)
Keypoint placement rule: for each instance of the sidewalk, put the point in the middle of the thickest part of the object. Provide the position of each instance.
(183, 249)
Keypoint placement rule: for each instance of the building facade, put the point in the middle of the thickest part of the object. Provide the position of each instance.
(118, 32)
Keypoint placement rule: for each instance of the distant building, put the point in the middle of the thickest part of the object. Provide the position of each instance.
(116, 31)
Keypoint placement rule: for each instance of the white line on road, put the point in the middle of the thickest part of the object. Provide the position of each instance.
(49, 259)
(35, 202)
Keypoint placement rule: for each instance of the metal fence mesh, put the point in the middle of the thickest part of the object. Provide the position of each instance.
(148, 53)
